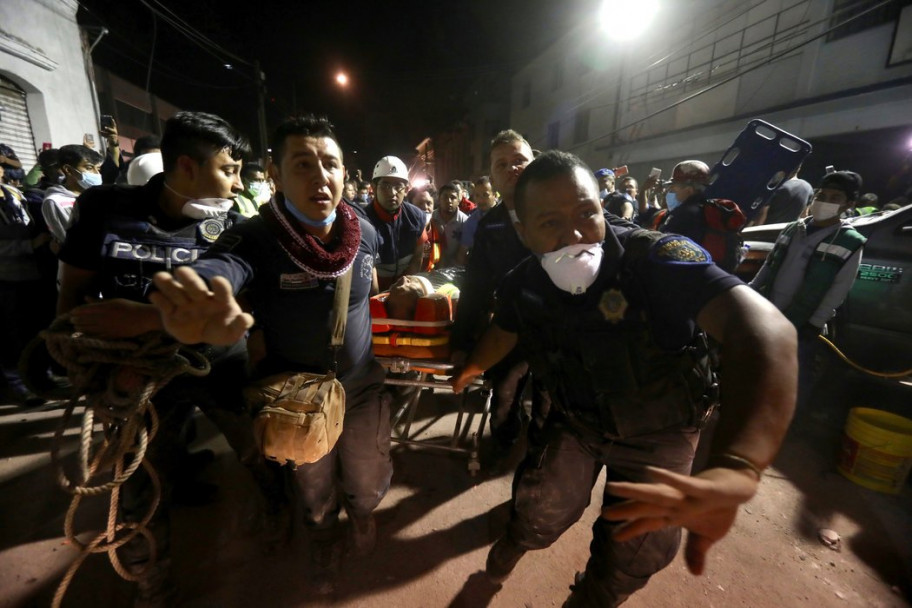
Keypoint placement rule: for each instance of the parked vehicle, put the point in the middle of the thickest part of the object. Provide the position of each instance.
(874, 325)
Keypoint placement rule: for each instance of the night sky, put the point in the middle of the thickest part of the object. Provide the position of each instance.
(410, 63)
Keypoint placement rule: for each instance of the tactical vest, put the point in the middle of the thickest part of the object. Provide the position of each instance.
(829, 256)
(605, 373)
(134, 250)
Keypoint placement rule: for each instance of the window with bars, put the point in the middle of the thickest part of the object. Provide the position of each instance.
(853, 16)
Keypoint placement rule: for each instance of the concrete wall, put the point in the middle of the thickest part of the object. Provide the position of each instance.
(42, 52)
(642, 116)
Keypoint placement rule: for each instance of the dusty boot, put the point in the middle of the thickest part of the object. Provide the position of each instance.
(362, 538)
(502, 558)
(326, 555)
(155, 588)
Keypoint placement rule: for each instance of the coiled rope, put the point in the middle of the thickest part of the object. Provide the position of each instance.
(114, 380)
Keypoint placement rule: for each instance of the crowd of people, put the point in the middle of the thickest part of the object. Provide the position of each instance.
(608, 301)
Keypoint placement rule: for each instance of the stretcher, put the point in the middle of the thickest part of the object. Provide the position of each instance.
(416, 353)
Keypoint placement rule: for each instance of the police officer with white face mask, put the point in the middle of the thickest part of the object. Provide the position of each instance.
(609, 317)
(122, 236)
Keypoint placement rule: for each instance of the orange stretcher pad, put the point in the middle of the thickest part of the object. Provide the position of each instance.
(427, 336)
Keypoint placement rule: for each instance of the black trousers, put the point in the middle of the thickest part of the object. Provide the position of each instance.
(552, 489)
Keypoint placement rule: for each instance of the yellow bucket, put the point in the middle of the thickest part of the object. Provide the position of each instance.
(876, 449)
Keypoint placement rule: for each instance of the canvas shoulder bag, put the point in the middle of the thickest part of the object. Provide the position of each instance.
(299, 415)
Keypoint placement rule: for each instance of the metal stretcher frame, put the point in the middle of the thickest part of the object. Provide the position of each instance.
(464, 440)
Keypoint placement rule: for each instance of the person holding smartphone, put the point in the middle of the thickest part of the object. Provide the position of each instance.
(111, 167)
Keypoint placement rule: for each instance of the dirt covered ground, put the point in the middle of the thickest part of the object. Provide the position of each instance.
(437, 523)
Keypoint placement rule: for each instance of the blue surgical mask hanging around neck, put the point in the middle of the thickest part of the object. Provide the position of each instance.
(671, 201)
(306, 220)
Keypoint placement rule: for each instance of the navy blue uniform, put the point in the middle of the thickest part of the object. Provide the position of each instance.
(399, 236)
(122, 234)
(294, 310)
(623, 372)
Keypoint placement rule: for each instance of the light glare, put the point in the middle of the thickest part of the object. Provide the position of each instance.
(625, 20)
(342, 79)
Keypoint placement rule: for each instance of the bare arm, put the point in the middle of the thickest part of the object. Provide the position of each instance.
(758, 398)
(415, 264)
(494, 345)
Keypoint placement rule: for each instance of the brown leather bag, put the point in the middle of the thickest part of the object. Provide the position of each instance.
(300, 415)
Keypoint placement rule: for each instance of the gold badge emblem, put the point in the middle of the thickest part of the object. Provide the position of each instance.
(211, 228)
(679, 249)
(613, 305)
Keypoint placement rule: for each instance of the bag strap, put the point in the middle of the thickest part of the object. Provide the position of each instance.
(340, 313)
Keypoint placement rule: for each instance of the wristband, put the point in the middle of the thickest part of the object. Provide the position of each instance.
(727, 460)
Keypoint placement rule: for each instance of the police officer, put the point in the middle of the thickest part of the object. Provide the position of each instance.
(496, 250)
(399, 223)
(608, 316)
(123, 235)
(289, 257)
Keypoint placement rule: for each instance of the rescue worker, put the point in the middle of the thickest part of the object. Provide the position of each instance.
(496, 250)
(288, 258)
(689, 211)
(812, 266)
(399, 224)
(609, 318)
(120, 237)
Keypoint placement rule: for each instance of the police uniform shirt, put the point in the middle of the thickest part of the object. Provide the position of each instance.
(291, 306)
(669, 285)
(122, 233)
(497, 249)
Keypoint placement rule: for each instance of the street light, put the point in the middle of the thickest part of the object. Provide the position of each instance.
(625, 20)
(342, 79)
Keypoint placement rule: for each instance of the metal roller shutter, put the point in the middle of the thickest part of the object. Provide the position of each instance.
(15, 126)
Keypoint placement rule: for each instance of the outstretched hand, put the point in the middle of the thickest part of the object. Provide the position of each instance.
(705, 504)
(194, 313)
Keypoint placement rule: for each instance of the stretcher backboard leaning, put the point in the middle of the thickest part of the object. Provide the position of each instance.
(760, 159)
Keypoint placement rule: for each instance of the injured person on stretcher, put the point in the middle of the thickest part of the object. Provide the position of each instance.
(413, 319)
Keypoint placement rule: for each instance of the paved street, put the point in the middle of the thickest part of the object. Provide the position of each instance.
(437, 523)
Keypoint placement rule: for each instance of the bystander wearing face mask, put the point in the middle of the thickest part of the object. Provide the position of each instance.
(260, 191)
(822, 212)
(671, 201)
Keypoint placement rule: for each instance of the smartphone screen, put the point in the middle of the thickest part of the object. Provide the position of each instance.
(655, 173)
(89, 140)
(107, 121)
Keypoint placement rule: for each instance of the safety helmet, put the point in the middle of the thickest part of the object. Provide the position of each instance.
(690, 173)
(390, 166)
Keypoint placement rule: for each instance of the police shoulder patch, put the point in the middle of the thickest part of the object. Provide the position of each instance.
(675, 249)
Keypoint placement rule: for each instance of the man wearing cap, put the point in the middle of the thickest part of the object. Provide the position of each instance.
(605, 178)
(812, 266)
(686, 203)
(683, 196)
(399, 224)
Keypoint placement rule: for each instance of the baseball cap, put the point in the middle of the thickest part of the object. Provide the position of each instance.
(690, 172)
(848, 182)
(604, 173)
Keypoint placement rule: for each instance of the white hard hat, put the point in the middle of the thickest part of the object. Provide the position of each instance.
(390, 166)
(143, 168)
